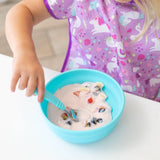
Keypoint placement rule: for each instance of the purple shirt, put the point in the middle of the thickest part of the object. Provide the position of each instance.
(101, 38)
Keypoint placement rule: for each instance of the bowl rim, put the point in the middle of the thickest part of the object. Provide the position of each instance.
(115, 120)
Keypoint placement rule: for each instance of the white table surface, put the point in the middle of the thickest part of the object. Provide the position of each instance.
(24, 134)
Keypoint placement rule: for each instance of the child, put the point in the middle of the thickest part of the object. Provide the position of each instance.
(118, 37)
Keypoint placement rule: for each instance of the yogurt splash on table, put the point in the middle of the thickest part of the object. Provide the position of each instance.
(88, 102)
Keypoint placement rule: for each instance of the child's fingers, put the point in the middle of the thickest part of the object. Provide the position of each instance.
(41, 88)
(31, 86)
(23, 82)
(14, 81)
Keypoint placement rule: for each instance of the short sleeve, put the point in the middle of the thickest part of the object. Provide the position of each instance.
(61, 9)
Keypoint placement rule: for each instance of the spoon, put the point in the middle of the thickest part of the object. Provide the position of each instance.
(54, 100)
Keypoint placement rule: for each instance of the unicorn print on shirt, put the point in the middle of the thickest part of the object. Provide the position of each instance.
(156, 46)
(112, 65)
(99, 26)
(138, 28)
(76, 63)
(154, 81)
(127, 17)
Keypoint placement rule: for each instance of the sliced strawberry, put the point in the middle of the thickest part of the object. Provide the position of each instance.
(76, 93)
(64, 116)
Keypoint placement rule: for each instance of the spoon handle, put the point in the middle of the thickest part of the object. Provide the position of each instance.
(52, 99)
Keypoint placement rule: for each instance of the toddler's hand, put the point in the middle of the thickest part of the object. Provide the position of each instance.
(30, 75)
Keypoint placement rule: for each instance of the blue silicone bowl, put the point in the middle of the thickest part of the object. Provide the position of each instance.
(115, 98)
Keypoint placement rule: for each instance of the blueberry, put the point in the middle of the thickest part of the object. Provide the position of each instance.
(96, 93)
(87, 124)
(99, 120)
(94, 120)
(87, 86)
(101, 110)
(97, 88)
(69, 122)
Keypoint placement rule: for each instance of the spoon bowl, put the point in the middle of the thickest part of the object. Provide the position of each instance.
(54, 100)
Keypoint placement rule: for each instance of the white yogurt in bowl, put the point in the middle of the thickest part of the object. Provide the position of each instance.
(88, 102)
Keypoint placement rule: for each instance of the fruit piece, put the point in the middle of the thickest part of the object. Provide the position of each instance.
(96, 93)
(76, 93)
(87, 124)
(64, 116)
(99, 120)
(100, 84)
(84, 89)
(97, 88)
(103, 95)
(69, 123)
(101, 109)
(94, 120)
(90, 100)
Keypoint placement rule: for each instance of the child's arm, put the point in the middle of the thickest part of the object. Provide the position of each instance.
(26, 67)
